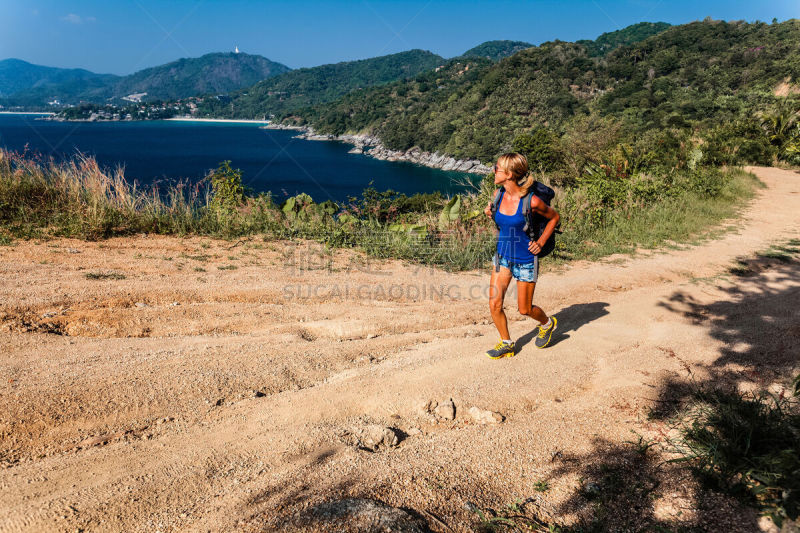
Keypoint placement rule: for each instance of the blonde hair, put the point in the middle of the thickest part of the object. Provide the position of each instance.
(517, 164)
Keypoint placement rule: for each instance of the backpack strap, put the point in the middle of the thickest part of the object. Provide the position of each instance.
(526, 209)
(495, 206)
(496, 203)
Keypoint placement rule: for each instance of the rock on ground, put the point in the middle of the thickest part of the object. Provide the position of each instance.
(482, 416)
(359, 515)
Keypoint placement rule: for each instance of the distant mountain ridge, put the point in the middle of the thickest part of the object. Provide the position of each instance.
(211, 73)
(303, 89)
(23, 83)
(315, 85)
(496, 50)
(610, 41)
(17, 75)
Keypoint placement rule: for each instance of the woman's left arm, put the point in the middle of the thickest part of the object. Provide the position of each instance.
(553, 217)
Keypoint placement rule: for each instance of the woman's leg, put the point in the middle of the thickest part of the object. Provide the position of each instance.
(497, 293)
(525, 302)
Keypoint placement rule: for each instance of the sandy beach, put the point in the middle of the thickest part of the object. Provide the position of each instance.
(25, 113)
(239, 121)
(186, 384)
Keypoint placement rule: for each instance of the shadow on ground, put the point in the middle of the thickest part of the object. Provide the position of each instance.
(758, 320)
(569, 319)
(631, 486)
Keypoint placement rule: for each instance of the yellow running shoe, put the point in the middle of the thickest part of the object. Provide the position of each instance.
(544, 336)
(502, 349)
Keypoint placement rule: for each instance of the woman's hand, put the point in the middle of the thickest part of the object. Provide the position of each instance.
(534, 247)
(488, 210)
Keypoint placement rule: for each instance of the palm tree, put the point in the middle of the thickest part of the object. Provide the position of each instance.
(780, 124)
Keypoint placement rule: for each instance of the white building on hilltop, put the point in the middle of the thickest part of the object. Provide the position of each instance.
(236, 50)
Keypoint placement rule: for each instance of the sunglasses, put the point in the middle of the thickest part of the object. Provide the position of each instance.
(495, 168)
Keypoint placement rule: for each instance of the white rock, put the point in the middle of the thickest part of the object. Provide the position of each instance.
(427, 406)
(375, 436)
(446, 410)
(482, 416)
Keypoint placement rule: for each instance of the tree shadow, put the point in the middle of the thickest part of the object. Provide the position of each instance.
(569, 319)
(342, 505)
(630, 486)
(758, 322)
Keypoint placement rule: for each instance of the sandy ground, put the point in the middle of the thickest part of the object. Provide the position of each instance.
(235, 386)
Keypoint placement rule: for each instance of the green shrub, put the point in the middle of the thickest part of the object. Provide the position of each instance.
(227, 191)
(739, 142)
(791, 151)
(706, 181)
(390, 206)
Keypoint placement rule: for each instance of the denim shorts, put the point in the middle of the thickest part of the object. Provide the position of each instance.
(528, 272)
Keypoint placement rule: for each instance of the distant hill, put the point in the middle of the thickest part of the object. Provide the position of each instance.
(688, 76)
(17, 75)
(214, 73)
(309, 86)
(608, 42)
(496, 50)
(208, 74)
(605, 43)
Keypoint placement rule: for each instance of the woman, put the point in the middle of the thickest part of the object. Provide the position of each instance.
(516, 253)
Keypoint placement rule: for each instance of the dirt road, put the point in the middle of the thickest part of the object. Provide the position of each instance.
(165, 384)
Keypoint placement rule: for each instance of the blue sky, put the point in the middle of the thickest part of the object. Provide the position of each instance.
(121, 37)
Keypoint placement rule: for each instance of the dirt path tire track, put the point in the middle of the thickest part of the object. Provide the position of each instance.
(250, 461)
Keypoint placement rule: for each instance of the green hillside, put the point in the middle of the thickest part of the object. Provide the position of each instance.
(208, 74)
(496, 50)
(690, 76)
(308, 86)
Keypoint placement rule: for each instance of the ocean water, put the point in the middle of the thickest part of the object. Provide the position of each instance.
(271, 160)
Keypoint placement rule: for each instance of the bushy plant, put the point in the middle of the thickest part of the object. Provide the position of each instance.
(227, 191)
(587, 140)
(739, 142)
(706, 181)
(790, 151)
(389, 205)
(780, 124)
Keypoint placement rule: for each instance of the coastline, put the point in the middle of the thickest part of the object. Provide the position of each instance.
(236, 121)
(373, 147)
(55, 117)
(26, 113)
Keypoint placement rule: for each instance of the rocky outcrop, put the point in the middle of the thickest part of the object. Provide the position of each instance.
(372, 146)
(271, 126)
(435, 160)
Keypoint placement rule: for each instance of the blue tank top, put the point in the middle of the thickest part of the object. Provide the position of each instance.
(512, 242)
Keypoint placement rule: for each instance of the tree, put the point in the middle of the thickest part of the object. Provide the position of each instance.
(540, 147)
